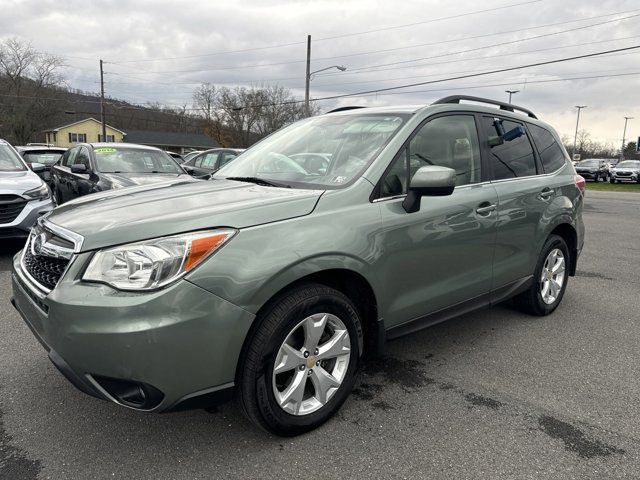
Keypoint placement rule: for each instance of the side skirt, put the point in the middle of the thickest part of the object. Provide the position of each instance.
(485, 300)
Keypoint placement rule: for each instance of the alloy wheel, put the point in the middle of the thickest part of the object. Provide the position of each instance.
(311, 364)
(552, 276)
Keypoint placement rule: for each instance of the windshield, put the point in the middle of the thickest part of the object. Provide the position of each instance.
(629, 164)
(134, 160)
(589, 163)
(46, 158)
(9, 160)
(320, 152)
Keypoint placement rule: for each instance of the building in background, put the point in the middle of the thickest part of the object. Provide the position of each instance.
(87, 130)
(171, 141)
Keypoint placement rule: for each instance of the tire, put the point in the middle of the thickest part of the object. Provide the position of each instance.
(612, 180)
(532, 301)
(286, 320)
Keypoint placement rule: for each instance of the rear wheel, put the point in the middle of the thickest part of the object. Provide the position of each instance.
(300, 363)
(549, 280)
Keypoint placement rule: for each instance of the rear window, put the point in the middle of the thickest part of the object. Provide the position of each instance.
(551, 153)
(46, 158)
(134, 160)
(9, 160)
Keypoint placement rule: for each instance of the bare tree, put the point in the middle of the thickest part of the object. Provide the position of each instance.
(239, 116)
(31, 82)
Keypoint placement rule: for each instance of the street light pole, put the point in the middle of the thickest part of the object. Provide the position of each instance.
(308, 77)
(624, 136)
(575, 137)
(102, 120)
(511, 92)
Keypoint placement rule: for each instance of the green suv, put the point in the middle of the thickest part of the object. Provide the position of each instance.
(272, 280)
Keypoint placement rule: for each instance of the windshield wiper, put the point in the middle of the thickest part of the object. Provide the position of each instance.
(259, 181)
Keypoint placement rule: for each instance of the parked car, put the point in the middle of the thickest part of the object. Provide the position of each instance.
(47, 156)
(210, 161)
(24, 196)
(593, 169)
(626, 171)
(272, 281)
(94, 167)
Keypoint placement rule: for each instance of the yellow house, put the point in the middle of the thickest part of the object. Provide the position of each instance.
(87, 130)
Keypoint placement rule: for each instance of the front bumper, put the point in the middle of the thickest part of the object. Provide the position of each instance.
(27, 218)
(181, 341)
(590, 175)
(626, 178)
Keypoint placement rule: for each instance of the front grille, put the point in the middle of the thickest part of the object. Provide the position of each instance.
(43, 269)
(623, 174)
(10, 207)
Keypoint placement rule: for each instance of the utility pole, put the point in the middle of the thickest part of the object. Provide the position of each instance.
(575, 137)
(624, 136)
(308, 77)
(511, 92)
(104, 125)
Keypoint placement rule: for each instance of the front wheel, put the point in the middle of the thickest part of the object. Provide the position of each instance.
(613, 180)
(300, 363)
(549, 279)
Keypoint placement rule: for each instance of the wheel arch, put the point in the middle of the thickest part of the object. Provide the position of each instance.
(570, 236)
(349, 281)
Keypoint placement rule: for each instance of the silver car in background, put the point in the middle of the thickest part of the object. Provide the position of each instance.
(626, 171)
(24, 196)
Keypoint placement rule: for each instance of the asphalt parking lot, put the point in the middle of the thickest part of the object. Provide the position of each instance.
(493, 394)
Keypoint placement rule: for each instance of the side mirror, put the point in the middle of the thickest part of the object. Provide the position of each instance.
(37, 167)
(432, 181)
(79, 168)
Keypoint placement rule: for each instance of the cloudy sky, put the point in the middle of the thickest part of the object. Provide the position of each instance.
(160, 50)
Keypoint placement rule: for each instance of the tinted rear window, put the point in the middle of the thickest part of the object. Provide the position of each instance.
(551, 153)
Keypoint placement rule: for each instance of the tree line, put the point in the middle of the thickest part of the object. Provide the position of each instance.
(34, 97)
(587, 147)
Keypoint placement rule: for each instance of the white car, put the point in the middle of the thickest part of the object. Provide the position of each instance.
(626, 171)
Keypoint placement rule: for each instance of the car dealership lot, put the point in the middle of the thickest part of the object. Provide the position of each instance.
(491, 394)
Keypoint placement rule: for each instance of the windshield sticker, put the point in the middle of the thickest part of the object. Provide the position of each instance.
(338, 179)
(105, 150)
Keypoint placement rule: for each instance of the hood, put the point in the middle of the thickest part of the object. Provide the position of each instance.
(18, 182)
(126, 215)
(119, 180)
(627, 169)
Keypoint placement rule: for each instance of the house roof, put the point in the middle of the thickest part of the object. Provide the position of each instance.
(170, 139)
(82, 121)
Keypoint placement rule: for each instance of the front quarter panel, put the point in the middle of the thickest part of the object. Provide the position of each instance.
(342, 232)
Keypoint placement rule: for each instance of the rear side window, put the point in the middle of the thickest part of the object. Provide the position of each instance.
(550, 152)
(509, 158)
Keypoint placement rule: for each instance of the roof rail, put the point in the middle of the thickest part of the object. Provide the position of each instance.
(503, 106)
(342, 109)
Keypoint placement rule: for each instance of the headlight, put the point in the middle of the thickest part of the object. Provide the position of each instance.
(153, 264)
(39, 193)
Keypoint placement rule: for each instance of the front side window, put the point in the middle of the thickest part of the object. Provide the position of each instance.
(82, 158)
(10, 161)
(226, 157)
(134, 160)
(450, 141)
(511, 154)
(551, 153)
(349, 143)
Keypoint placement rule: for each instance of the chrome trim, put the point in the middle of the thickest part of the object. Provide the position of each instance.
(73, 237)
(459, 187)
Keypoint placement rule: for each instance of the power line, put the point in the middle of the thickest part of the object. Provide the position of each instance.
(476, 12)
(460, 52)
(357, 69)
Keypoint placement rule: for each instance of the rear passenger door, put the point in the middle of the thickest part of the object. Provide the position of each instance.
(524, 194)
(440, 256)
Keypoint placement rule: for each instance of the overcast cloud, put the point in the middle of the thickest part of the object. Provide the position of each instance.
(127, 32)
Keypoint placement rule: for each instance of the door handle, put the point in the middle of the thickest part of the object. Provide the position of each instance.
(545, 194)
(486, 209)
